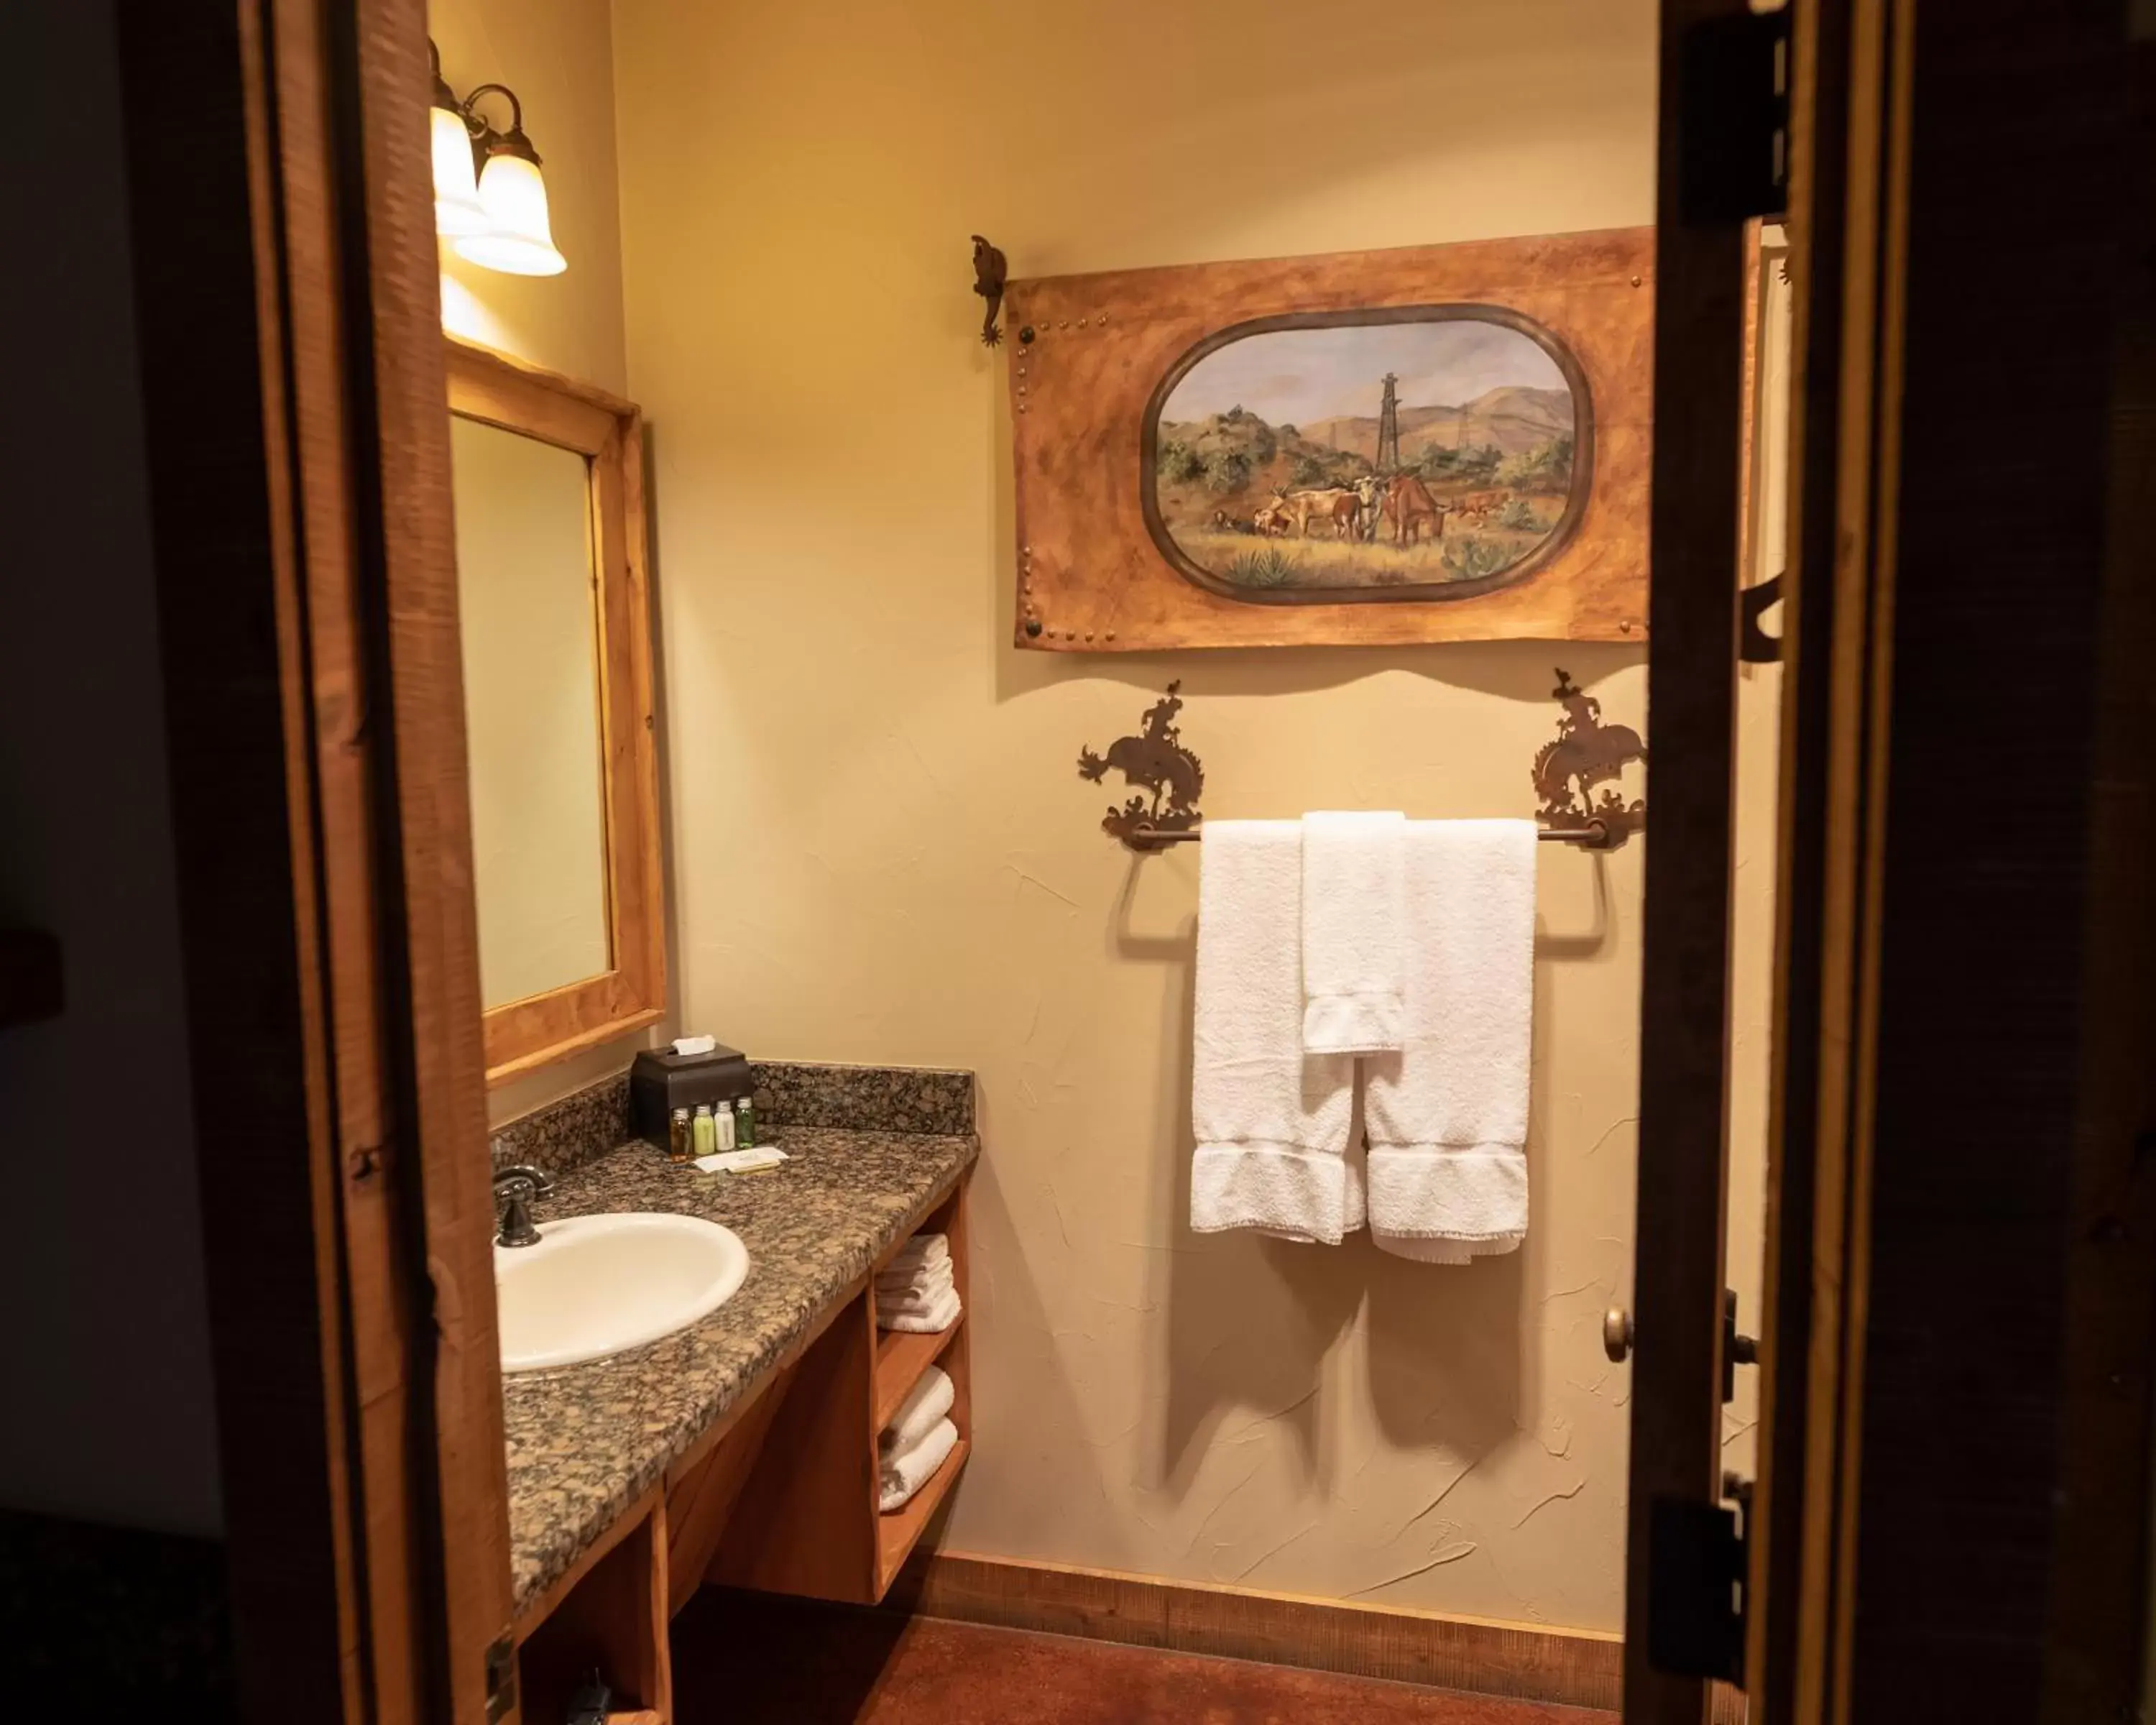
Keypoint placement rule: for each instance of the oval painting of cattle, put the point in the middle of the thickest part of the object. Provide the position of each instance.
(1419, 453)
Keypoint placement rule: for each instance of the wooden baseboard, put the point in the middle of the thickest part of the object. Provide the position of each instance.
(1574, 1667)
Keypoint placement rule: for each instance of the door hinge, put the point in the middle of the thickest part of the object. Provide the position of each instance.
(1734, 139)
(1696, 1554)
(501, 1679)
(1736, 1350)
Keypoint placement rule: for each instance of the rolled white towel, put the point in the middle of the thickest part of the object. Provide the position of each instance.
(931, 1320)
(927, 1402)
(907, 1470)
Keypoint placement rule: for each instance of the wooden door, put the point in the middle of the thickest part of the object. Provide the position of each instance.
(1676, 1521)
(281, 211)
(1962, 1219)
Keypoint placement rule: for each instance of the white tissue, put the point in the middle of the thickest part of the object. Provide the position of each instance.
(742, 1161)
(695, 1044)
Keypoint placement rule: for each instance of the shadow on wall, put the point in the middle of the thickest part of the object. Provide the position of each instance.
(1522, 671)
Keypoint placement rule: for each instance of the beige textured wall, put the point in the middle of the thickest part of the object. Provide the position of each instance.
(883, 853)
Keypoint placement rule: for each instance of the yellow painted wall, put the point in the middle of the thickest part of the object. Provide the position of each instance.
(881, 850)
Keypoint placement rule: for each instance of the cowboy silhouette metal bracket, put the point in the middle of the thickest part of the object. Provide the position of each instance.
(1155, 761)
(1588, 753)
(1585, 757)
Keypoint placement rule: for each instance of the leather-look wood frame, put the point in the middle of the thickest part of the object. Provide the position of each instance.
(497, 390)
(1094, 357)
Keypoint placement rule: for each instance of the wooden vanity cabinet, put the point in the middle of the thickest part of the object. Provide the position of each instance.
(780, 1495)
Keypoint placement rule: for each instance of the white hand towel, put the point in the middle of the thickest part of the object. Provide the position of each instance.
(937, 1316)
(1271, 1124)
(905, 1471)
(918, 1281)
(924, 1252)
(916, 1300)
(1351, 907)
(1448, 1115)
(927, 1402)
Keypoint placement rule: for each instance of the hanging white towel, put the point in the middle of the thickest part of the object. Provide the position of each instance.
(933, 1319)
(1271, 1124)
(905, 1471)
(1448, 1115)
(1350, 932)
(927, 1402)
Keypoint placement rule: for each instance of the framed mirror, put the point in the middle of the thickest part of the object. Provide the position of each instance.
(555, 623)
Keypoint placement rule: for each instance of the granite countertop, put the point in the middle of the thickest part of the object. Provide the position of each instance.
(586, 1441)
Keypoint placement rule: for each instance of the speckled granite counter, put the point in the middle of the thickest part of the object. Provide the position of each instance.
(585, 1441)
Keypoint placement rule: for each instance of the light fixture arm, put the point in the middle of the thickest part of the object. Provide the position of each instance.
(489, 199)
(486, 140)
(443, 96)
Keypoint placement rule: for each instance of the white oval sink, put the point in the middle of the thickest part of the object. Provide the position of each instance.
(595, 1285)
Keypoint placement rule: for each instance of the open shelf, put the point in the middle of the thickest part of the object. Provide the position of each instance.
(608, 1616)
(787, 1502)
(901, 1356)
(897, 1532)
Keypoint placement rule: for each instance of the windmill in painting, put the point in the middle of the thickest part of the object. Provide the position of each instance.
(1434, 452)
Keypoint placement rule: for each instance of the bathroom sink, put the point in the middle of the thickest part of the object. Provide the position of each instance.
(596, 1285)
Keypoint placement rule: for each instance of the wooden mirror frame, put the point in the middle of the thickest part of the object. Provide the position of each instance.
(495, 389)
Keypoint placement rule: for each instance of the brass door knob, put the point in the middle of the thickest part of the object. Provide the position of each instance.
(1617, 1334)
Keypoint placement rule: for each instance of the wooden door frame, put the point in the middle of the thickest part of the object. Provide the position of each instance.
(1701, 307)
(280, 209)
(1962, 1274)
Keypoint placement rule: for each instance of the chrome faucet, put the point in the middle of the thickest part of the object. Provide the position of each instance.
(514, 1190)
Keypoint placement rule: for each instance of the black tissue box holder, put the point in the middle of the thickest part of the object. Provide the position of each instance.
(661, 1081)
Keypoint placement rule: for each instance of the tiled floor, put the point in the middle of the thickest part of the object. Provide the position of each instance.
(746, 1660)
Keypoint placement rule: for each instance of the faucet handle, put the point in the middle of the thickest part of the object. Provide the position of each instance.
(537, 1178)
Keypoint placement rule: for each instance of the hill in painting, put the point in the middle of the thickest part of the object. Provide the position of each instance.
(1514, 418)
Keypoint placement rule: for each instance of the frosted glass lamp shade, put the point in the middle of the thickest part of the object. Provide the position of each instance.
(518, 239)
(457, 208)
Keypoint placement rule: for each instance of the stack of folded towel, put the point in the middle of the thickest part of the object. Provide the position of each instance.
(915, 1291)
(919, 1437)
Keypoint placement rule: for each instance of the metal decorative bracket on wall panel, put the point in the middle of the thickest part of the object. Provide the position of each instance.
(1586, 756)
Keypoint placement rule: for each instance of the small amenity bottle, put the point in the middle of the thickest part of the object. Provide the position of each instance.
(677, 1137)
(726, 1123)
(745, 1122)
(706, 1131)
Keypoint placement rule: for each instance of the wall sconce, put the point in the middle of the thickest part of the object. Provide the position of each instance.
(490, 200)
